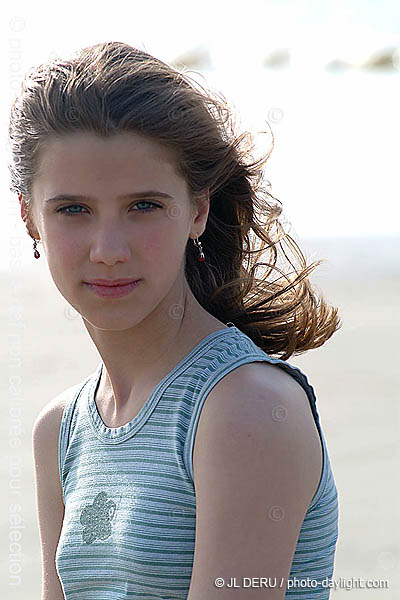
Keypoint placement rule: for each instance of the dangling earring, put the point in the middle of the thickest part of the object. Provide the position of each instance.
(199, 246)
(36, 251)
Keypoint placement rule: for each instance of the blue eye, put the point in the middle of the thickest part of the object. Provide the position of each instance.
(67, 209)
(64, 209)
(152, 206)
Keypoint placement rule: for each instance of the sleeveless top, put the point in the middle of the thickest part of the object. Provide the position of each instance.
(130, 503)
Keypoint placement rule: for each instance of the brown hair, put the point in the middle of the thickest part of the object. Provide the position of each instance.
(112, 87)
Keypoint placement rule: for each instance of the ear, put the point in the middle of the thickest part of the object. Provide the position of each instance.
(27, 219)
(202, 209)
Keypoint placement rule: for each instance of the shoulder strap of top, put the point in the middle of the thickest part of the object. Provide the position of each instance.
(302, 379)
(71, 394)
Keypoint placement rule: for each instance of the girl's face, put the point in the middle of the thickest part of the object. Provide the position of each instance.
(133, 221)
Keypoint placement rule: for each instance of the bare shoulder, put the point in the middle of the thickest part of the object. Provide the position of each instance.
(258, 390)
(257, 463)
(46, 427)
(49, 499)
(45, 438)
(49, 418)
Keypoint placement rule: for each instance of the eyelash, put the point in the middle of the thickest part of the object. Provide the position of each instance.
(142, 210)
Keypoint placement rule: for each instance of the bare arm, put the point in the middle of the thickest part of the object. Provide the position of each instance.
(50, 506)
(256, 468)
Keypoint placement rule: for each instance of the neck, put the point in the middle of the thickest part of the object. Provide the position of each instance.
(136, 359)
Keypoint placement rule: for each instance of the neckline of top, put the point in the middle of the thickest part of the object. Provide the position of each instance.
(119, 434)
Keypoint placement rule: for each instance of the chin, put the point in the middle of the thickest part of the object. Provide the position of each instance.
(111, 322)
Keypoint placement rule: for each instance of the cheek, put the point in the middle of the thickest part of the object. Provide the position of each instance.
(163, 244)
(63, 252)
(66, 249)
(152, 244)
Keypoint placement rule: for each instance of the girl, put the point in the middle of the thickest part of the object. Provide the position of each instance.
(192, 462)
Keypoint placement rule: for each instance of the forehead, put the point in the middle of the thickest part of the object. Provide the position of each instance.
(85, 155)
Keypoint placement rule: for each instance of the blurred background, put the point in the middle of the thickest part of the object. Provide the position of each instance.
(325, 77)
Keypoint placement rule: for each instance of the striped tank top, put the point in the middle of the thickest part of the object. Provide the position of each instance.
(129, 496)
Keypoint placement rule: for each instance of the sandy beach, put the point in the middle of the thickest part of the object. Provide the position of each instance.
(45, 349)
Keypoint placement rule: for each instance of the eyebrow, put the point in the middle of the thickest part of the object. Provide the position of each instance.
(130, 196)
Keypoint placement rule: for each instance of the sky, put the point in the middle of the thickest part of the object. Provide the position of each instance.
(335, 135)
(227, 29)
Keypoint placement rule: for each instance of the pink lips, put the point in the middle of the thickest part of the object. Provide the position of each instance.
(111, 282)
(112, 288)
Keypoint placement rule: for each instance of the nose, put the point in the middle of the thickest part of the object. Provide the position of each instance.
(110, 246)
